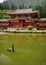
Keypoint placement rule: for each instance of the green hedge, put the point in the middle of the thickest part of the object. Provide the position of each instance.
(29, 27)
(28, 31)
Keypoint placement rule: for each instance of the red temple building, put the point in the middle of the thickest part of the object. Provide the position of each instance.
(23, 18)
(4, 23)
(42, 24)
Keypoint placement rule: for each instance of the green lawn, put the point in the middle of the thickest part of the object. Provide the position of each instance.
(30, 49)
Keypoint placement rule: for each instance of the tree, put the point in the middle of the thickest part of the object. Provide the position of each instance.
(22, 6)
(5, 6)
(6, 17)
(1, 6)
(29, 6)
(42, 10)
(13, 7)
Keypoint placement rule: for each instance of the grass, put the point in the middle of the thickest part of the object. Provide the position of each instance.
(30, 49)
(26, 31)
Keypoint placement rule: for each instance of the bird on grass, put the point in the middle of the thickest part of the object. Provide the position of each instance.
(11, 49)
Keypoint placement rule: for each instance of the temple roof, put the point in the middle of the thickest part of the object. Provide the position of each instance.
(6, 20)
(3, 19)
(43, 19)
(21, 11)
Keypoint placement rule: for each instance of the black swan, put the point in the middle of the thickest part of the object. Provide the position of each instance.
(11, 49)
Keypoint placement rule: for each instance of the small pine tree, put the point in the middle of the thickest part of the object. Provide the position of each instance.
(12, 6)
(1, 6)
(29, 6)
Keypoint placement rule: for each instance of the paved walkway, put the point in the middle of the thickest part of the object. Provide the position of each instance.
(3, 33)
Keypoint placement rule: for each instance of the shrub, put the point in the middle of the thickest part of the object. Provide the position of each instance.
(6, 17)
(29, 27)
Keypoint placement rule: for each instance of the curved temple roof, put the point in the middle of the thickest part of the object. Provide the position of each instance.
(21, 11)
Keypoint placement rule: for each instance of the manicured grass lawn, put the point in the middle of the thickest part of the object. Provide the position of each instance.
(30, 49)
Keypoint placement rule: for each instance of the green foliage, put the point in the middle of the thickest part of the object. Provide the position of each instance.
(22, 6)
(13, 7)
(3, 13)
(29, 6)
(42, 11)
(6, 17)
(5, 6)
(29, 27)
(1, 6)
